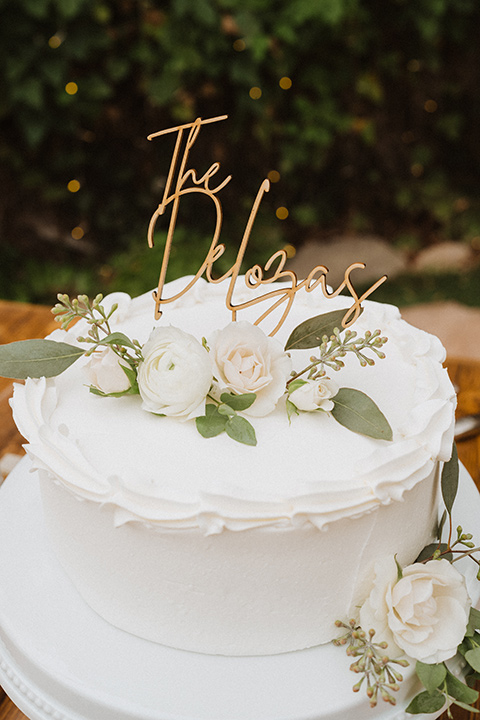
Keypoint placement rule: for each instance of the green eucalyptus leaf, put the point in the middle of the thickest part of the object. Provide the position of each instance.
(428, 551)
(310, 333)
(431, 676)
(226, 410)
(132, 376)
(474, 619)
(118, 338)
(239, 429)
(291, 410)
(441, 525)
(37, 358)
(399, 569)
(450, 480)
(212, 423)
(466, 707)
(473, 658)
(238, 402)
(471, 677)
(426, 702)
(458, 690)
(356, 411)
(295, 384)
(131, 391)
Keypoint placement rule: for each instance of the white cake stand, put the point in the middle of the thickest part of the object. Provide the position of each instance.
(61, 661)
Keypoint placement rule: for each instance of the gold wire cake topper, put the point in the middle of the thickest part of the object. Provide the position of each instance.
(254, 276)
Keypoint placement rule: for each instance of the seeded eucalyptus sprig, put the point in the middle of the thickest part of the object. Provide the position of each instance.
(351, 408)
(462, 546)
(441, 686)
(374, 666)
(66, 311)
(334, 347)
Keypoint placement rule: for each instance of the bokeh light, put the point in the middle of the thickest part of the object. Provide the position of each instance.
(71, 88)
(273, 176)
(55, 41)
(77, 233)
(430, 106)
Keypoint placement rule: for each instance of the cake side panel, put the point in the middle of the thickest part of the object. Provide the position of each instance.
(253, 592)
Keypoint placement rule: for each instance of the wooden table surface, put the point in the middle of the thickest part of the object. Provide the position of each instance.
(21, 321)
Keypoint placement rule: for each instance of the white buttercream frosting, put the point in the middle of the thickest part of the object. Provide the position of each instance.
(214, 546)
(311, 470)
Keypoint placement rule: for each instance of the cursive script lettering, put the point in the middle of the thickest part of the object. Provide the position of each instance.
(254, 276)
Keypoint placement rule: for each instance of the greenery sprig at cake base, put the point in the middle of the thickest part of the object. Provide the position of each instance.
(421, 635)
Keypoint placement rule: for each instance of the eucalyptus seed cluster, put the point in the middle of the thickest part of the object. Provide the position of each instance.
(334, 348)
(375, 667)
(66, 311)
(81, 307)
(464, 539)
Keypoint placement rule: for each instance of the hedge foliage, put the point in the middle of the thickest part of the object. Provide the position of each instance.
(378, 132)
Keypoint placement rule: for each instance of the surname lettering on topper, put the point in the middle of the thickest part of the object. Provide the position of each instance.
(176, 188)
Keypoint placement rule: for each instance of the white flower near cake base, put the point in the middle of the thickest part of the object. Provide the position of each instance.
(424, 614)
(104, 371)
(175, 374)
(314, 395)
(248, 361)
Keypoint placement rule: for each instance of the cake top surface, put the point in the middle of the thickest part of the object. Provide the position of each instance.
(306, 468)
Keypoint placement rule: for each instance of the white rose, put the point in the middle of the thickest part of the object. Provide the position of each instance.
(314, 395)
(248, 361)
(104, 371)
(175, 375)
(424, 614)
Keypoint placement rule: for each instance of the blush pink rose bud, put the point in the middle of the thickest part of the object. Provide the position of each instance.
(248, 361)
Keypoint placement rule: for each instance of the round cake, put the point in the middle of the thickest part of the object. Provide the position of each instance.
(220, 547)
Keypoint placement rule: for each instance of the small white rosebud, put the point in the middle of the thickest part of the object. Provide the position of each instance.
(314, 395)
(104, 371)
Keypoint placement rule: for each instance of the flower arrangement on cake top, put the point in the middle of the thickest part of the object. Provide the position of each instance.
(238, 370)
(422, 611)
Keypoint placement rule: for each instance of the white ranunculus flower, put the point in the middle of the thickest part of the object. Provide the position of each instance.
(104, 371)
(175, 374)
(248, 361)
(424, 614)
(314, 395)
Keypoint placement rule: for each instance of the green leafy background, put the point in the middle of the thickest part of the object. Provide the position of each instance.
(378, 132)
